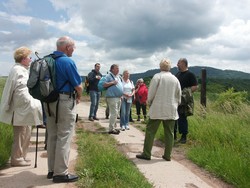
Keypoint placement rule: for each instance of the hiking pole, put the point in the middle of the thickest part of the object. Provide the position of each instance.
(36, 147)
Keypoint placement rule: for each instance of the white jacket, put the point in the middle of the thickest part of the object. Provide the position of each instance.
(18, 107)
(164, 96)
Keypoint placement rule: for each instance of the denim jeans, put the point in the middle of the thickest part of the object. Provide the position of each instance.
(94, 99)
(125, 111)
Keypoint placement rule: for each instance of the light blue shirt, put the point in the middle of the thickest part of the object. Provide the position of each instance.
(114, 91)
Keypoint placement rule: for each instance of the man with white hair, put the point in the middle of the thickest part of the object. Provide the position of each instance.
(164, 96)
(61, 115)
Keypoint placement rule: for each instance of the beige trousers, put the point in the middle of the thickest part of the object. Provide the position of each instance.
(114, 109)
(60, 133)
(20, 146)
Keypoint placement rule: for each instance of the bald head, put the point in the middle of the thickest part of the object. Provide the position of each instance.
(66, 45)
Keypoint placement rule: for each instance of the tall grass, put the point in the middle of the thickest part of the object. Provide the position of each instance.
(219, 137)
(221, 144)
(101, 165)
(6, 134)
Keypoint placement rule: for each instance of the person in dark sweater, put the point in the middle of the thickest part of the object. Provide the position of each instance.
(187, 80)
(94, 76)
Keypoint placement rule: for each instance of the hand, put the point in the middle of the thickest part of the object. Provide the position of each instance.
(98, 77)
(78, 100)
(115, 82)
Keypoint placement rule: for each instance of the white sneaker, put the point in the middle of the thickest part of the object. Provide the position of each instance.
(127, 128)
(123, 128)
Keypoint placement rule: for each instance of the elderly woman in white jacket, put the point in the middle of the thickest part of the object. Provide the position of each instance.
(164, 96)
(19, 108)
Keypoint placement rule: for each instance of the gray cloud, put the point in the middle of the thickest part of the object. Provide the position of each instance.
(137, 34)
(149, 25)
(25, 35)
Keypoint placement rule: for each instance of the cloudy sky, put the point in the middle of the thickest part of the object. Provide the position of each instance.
(136, 34)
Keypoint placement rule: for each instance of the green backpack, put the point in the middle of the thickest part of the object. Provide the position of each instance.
(42, 79)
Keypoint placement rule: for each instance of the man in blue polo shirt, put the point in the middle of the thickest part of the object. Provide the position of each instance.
(113, 95)
(61, 115)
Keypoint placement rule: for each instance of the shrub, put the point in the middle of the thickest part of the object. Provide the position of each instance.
(231, 101)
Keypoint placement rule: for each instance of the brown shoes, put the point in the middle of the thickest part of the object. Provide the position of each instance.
(20, 163)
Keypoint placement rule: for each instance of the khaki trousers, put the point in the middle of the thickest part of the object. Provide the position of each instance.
(151, 129)
(60, 133)
(114, 108)
(20, 146)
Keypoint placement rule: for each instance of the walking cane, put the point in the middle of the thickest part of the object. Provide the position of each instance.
(36, 146)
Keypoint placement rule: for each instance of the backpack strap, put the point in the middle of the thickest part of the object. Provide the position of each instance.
(114, 77)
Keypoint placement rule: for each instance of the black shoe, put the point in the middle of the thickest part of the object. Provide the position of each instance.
(141, 156)
(117, 130)
(131, 120)
(45, 147)
(183, 139)
(66, 178)
(165, 158)
(107, 117)
(91, 119)
(50, 175)
(114, 132)
(95, 118)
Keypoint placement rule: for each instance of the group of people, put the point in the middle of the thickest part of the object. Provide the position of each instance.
(166, 98)
(120, 95)
(20, 109)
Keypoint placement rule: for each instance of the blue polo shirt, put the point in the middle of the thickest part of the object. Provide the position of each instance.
(66, 71)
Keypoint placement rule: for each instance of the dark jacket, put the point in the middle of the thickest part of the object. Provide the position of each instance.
(93, 82)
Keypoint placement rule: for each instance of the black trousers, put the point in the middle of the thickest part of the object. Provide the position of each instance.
(139, 107)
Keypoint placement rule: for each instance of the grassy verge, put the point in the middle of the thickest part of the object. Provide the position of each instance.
(100, 164)
(221, 144)
(6, 135)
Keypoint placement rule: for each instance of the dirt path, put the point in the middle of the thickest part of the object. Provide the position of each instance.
(179, 173)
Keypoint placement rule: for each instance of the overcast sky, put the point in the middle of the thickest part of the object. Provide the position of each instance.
(136, 34)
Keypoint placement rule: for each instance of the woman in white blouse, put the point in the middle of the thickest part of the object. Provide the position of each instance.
(128, 92)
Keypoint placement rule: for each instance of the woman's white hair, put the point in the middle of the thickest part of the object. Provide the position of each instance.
(165, 64)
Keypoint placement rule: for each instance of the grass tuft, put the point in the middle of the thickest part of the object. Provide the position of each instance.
(101, 165)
